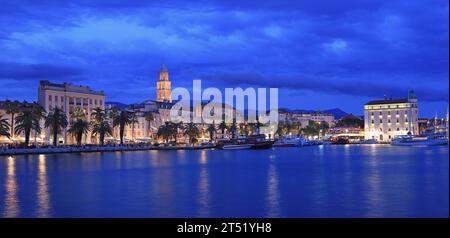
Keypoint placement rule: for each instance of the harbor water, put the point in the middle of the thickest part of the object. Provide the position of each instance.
(316, 181)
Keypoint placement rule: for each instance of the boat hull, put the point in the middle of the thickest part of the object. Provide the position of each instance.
(284, 145)
(237, 147)
(263, 145)
(421, 143)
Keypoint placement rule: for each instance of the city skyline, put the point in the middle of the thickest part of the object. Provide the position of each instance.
(338, 57)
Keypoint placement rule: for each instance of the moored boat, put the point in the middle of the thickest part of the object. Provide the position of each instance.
(408, 140)
(248, 142)
(286, 142)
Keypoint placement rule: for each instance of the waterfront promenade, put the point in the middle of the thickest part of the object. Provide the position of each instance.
(93, 148)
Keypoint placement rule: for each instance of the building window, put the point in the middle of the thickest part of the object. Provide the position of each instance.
(389, 121)
(406, 120)
(381, 121)
(373, 121)
(56, 98)
(389, 129)
(398, 129)
(372, 113)
(50, 98)
(389, 136)
(397, 120)
(381, 129)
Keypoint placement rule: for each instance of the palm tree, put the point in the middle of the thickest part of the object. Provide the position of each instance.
(166, 131)
(101, 128)
(79, 125)
(4, 127)
(133, 120)
(113, 114)
(100, 125)
(244, 129)
(40, 113)
(98, 114)
(255, 127)
(121, 119)
(280, 129)
(149, 117)
(78, 128)
(223, 126)
(12, 108)
(26, 121)
(233, 129)
(78, 113)
(211, 130)
(56, 120)
(192, 131)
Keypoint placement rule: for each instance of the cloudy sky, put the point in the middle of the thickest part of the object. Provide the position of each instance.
(320, 54)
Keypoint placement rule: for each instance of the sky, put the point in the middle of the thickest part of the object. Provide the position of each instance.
(320, 54)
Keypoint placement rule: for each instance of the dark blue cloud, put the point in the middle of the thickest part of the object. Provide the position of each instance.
(312, 50)
(10, 70)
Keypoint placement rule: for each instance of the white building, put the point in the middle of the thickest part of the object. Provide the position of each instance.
(67, 97)
(304, 117)
(385, 119)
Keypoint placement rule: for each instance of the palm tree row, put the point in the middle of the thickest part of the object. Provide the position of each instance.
(169, 130)
(26, 117)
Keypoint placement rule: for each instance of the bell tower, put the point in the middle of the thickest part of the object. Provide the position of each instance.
(163, 87)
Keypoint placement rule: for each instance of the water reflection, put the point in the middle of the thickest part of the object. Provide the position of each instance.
(43, 197)
(203, 198)
(374, 193)
(203, 159)
(273, 193)
(11, 202)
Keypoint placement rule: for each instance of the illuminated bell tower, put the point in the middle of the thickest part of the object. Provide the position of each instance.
(163, 88)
